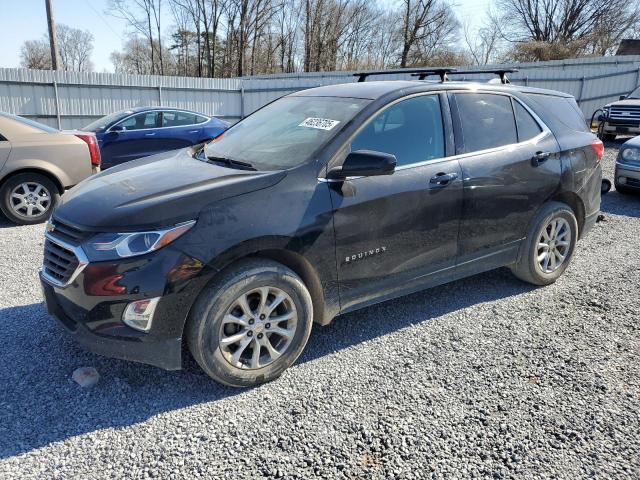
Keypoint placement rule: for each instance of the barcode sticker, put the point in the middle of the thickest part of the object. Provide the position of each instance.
(319, 123)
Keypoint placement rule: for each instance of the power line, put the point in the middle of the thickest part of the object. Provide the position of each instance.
(101, 16)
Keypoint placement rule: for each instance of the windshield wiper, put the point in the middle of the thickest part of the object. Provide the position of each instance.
(228, 162)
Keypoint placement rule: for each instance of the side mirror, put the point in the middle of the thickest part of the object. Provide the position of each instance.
(364, 163)
(622, 97)
(117, 128)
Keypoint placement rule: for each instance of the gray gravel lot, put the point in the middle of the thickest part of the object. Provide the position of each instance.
(485, 377)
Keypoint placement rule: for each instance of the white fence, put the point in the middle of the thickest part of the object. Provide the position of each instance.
(71, 100)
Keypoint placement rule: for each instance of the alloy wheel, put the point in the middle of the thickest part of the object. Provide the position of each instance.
(30, 199)
(553, 245)
(258, 328)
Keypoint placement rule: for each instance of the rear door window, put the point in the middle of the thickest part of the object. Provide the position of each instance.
(527, 125)
(411, 130)
(140, 121)
(565, 109)
(178, 119)
(487, 121)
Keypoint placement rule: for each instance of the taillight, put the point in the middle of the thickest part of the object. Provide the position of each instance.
(94, 151)
(598, 148)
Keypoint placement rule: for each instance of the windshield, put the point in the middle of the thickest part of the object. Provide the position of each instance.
(635, 93)
(30, 123)
(105, 121)
(285, 133)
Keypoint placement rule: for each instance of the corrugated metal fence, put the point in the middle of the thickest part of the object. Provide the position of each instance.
(71, 100)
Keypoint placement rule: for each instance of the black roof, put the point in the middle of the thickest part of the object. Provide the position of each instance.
(375, 90)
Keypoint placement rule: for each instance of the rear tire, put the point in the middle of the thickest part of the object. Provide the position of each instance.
(237, 316)
(548, 248)
(28, 198)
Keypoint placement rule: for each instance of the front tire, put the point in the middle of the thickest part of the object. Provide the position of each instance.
(548, 248)
(28, 198)
(251, 324)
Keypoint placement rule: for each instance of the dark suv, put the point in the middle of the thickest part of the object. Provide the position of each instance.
(621, 117)
(320, 203)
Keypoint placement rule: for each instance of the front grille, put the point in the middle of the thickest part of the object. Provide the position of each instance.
(626, 113)
(66, 232)
(64, 258)
(59, 263)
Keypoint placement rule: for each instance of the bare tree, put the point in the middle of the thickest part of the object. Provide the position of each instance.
(75, 47)
(542, 29)
(145, 17)
(35, 54)
(426, 25)
(483, 44)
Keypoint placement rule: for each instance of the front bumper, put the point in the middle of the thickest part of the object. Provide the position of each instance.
(627, 175)
(94, 317)
(621, 127)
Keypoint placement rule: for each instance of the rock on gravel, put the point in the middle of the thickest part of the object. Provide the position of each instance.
(484, 377)
(85, 376)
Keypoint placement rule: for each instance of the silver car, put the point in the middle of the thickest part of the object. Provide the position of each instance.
(37, 164)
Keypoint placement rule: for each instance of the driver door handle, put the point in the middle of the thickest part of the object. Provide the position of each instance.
(149, 134)
(443, 179)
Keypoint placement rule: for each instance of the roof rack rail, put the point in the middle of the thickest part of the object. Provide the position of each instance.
(501, 72)
(421, 72)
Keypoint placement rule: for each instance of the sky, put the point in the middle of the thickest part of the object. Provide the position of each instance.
(27, 20)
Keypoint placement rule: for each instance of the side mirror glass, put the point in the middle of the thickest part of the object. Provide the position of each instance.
(117, 128)
(622, 97)
(364, 163)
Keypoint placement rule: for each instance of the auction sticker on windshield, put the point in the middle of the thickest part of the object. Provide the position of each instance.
(320, 123)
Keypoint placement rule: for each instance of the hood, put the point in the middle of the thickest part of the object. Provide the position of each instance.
(631, 102)
(155, 192)
(633, 142)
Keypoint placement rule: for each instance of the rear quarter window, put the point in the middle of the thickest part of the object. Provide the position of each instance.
(565, 109)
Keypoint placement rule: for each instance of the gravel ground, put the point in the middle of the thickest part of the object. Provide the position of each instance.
(484, 377)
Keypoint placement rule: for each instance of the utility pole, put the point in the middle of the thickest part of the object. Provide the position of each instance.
(53, 39)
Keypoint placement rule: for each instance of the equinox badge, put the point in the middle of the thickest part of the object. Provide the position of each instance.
(365, 254)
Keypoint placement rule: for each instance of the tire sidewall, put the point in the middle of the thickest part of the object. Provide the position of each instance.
(217, 300)
(12, 182)
(555, 211)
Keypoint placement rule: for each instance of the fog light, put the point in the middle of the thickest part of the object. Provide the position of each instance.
(139, 314)
(622, 180)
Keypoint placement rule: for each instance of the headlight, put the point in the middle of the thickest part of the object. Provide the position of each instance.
(111, 246)
(630, 154)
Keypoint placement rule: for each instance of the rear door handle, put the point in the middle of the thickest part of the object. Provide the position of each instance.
(149, 134)
(539, 158)
(443, 179)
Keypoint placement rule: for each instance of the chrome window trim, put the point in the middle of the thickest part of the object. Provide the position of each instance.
(160, 110)
(545, 131)
(83, 261)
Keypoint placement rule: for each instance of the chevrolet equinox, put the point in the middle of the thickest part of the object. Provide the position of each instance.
(322, 202)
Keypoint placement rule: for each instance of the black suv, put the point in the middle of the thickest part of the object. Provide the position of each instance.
(621, 117)
(320, 203)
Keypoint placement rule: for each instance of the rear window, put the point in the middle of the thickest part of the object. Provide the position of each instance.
(30, 123)
(565, 109)
(527, 126)
(487, 121)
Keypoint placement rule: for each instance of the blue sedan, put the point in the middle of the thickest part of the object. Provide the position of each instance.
(144, 131)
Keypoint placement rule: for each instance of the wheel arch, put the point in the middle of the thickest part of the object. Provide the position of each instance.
(274, 248)
(56, 181)
(576, 204)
